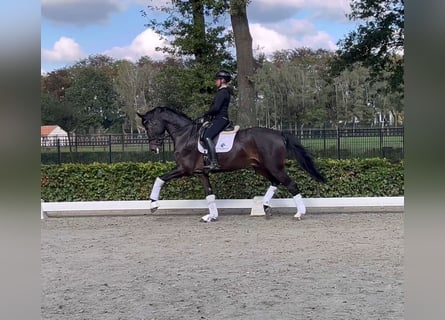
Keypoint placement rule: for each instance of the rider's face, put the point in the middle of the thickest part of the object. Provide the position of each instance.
(218, 82)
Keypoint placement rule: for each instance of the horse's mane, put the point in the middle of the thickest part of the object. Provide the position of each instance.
(169, 109)
(194, 126)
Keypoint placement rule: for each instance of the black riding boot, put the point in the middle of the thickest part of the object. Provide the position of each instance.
(212, 155)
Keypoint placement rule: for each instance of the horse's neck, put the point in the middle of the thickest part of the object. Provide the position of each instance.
(175, 124)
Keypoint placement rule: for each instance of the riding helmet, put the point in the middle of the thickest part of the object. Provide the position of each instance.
(222, 74)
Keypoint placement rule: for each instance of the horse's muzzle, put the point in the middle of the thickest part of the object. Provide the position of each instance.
(154, 148)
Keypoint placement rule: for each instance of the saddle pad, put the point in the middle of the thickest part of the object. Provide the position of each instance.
(224, 142)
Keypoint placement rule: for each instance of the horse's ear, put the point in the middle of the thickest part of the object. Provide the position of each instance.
(140, 115)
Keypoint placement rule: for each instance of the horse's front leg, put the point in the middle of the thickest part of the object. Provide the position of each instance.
(157, 186)
(210, 197)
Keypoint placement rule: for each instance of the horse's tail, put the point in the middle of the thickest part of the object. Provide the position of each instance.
(299, 153)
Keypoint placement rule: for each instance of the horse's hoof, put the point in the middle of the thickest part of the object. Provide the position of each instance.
(154, 205)
(298, 216)
(207, 219)
(266, 209)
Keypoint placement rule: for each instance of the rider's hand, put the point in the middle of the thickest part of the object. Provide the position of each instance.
(200, 120)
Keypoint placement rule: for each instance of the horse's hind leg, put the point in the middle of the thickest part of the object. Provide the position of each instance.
(270, 191)
(292, 187)
(266, 199)
(210, 197)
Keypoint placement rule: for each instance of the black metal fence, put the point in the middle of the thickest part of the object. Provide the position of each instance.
(325, 143)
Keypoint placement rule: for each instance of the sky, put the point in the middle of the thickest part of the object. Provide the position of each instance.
(72, 30)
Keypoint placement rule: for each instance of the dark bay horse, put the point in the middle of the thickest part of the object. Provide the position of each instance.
(262, 149)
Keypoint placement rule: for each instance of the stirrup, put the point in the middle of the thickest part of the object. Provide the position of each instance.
(212, 166)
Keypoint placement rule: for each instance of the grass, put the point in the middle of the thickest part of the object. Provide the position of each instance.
(354, 143)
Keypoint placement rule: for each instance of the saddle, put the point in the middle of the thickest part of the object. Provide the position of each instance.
(223, 141)
(230, 128)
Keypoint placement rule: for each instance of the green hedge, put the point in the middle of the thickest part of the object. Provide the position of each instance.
(102, 157)
(133, 181)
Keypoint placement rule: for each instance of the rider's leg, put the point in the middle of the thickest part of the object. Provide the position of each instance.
(212, 155)
(211, 132)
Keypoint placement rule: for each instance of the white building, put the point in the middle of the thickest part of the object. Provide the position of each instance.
(50, 134)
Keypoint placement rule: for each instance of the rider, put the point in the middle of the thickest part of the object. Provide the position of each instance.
(218, 114)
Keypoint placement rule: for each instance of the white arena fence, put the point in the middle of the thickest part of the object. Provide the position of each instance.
(230, 206)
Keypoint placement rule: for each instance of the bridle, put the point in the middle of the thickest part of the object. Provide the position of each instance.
(158, 139)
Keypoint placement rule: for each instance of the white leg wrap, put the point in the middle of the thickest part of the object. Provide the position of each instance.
(213, 211)
(301, 209)
(269, 194)
(156, 189)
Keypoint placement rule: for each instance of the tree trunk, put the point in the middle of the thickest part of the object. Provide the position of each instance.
(244, 58)
(199, 29)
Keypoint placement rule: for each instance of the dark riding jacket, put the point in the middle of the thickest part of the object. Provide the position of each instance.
(219, 113)
(220, 104)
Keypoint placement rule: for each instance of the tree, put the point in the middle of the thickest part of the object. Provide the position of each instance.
(378, 41)
(55, 82)
(292, 89)
(199, 40)
(54, 109)
(245, 62)
(93, 101)
(208, 43)
(138, 89)
(353, 94)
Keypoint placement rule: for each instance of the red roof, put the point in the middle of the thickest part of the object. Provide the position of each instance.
(46, 130)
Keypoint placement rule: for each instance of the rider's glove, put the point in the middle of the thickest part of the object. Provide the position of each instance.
(200, 120)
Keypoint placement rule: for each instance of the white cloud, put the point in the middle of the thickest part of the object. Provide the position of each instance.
(80, 12)
(335, 10)
(143, 45)
(65, 50)
(89, 12)
(265, 11)
(318, 40)
(294, 27)
(268, 40)
(289, 35)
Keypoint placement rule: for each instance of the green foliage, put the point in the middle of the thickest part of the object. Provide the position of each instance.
(197, 37)
(378, 40)
(103, 157)
(93, 97)
(133, 181)
(82, 98)
(193, 28)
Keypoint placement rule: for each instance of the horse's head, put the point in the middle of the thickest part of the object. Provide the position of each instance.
(155, 128)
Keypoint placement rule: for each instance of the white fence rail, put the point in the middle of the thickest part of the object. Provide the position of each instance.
(254, 206)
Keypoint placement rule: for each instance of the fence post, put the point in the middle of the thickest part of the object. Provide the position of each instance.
(324, 140)
(381, 143)
(338, 143)
(59, 154)
(109, 148)
(163, 151)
